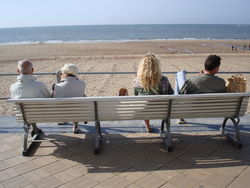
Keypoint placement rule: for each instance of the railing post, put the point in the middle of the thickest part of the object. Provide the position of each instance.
(58, 76)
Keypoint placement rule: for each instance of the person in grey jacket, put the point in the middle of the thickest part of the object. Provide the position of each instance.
(26, 85)
(70, 86)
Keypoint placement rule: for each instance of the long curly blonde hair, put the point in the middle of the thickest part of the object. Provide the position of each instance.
(149, 73)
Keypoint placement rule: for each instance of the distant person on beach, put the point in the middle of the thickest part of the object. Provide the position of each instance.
(26, 86)
(245, 47)
(206, 82)
(70, 86)
(232, 47)
(150, 81)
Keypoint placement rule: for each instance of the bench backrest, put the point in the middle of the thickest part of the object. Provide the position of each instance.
(130, 107)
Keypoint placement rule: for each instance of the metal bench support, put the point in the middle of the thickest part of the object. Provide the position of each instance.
(167, 135)
(35, 134)
(233, 136)
(98, 135)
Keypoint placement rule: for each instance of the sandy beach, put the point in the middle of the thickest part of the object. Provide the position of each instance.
(175, 55)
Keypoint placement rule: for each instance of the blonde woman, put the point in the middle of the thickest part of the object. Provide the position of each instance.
(150, 81)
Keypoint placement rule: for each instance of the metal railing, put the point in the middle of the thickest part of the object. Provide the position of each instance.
(57, 73)
(58, 78)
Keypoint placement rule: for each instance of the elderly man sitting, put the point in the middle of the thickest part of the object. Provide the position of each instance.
(27, 87)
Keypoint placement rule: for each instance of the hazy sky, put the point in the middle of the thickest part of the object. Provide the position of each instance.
(19, 13)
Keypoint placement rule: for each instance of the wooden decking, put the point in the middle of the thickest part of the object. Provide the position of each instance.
(127, 160)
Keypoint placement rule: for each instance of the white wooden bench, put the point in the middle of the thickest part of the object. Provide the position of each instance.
(165, 107)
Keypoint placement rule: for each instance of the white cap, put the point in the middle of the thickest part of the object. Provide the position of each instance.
(70, 69)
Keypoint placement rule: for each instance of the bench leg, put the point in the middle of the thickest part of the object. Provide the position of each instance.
(98, 137)
(35, 130)
(166, 135)
(25, 139)
(35, 134)
(169, 139)
(162, 132)
(233, 136)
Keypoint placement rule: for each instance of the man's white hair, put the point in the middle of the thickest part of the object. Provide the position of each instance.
(25, 66)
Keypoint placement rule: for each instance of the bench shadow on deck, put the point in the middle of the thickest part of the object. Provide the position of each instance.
(124, 153)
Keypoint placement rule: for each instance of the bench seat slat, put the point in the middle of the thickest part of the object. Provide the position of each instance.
(202, 115)
(58, 110)
(42, 105)
(100, 114)
(44, 112)
(91, 107)
(80, 103)
(125, 106)
(233, 105)
(181, 108)
(51, 120)
(57, 106)
(135, 100)
(56, 120)
(215, 99)
(149, 108)
(209, 103)
(205, 104)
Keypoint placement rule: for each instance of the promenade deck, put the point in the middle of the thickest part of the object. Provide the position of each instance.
(130, 157)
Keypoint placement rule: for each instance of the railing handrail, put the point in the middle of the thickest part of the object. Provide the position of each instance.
(188, 72)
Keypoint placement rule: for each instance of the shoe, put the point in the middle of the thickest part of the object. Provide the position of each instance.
(150, 129)
(62, 123)
(76, 129)
(181, 121)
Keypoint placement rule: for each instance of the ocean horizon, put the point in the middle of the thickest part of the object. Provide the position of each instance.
(120, 33)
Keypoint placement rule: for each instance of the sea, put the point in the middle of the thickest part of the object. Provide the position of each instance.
(118, 33)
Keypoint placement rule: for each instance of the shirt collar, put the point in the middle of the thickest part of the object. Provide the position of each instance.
(26, 77)
(69, 79)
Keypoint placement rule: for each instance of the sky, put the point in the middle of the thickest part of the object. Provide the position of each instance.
(28, 13)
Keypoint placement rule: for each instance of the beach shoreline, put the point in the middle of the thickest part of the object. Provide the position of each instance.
(121, 48)
(118, 57)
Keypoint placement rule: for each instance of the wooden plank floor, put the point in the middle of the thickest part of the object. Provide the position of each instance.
(126, 160)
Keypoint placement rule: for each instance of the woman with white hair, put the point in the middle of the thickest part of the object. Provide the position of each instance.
(70, 86)
(150, 81)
